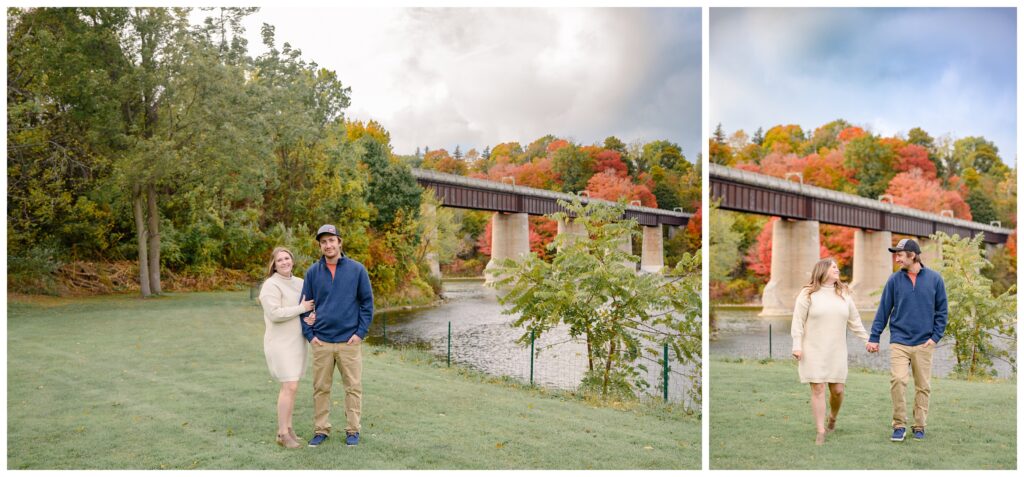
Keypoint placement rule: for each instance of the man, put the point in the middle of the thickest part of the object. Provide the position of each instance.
(914, 306)
(340, 289)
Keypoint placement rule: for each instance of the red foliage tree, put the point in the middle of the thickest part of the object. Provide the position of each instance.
(555, 145)
(542, 233)
(609, 186)
(913, 156)
(759, 255)
(912, 189)
(838, 242)
(693, 229)
(607, 160)
(483, 242)
(851, 133)
(537, 173)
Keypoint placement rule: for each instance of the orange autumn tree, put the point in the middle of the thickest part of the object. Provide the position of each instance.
(912, 189)
(609, 186)
(440, 161)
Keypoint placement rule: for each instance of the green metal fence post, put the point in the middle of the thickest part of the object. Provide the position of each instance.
(531, 357)
(449, 344)
(664, 373)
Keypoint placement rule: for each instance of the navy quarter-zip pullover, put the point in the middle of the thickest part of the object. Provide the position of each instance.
(344, 302)
(914, 312)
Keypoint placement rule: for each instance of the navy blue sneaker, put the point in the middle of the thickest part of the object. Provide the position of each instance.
(352, 439)
(317, 440)
(919, 433)
(898, 434)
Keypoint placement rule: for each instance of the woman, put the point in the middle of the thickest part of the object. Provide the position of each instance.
(283, 343)
(824, 311)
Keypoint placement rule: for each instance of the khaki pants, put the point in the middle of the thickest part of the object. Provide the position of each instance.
(349, 361)
(903, 360)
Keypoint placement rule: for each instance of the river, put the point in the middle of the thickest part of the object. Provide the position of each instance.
(742, 333)
(483, 339)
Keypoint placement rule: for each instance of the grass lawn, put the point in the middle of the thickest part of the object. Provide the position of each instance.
(761, 419)
(180, 382)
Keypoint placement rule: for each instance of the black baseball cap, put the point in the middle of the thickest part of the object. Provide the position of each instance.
(906, 245)
(327, 229)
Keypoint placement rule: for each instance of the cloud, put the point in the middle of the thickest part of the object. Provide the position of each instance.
(945, 70)
(476, 77)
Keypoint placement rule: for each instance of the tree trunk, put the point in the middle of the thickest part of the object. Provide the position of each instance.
(154, 241)
(590, 352)
(608, 368)
(140, 227)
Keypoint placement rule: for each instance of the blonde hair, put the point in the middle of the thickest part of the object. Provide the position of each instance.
(272, 267)
(818, 274)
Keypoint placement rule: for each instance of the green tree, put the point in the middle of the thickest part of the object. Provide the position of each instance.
(872, 162)
(621, 313)
(758, 137)
(662, 153)
(827, 137)
(722, 243)
(719, 135)
(980, 154)
(393, 190)
(574, 166)
(977, 319)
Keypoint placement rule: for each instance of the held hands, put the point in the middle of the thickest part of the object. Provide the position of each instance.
(871, 347)
(797, 355)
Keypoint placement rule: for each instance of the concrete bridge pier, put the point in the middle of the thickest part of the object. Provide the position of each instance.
(931, 253)
(652, 256)
(574, 230)
(673, 230)
(510, 238)
(795, 250)
(626, 245)
(991, 248)
(872, 265)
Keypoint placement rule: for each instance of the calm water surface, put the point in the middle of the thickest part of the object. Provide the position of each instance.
(742, 333)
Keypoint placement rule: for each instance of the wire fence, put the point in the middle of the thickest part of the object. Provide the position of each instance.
(554, 360)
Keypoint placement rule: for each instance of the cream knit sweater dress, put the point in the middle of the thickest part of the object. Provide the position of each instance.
(283, 343)
(819, 332)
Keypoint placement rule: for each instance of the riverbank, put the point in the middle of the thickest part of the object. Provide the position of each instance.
(761, 419)
(180, 382)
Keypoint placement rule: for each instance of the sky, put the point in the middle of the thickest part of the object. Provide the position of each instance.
(479, 77)
(946, 70)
